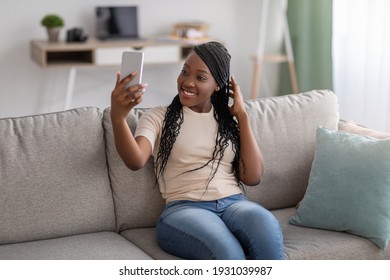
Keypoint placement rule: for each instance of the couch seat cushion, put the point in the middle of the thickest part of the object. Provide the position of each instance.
(145, 238)
(92, 246)
(303, 243)
(300, 242)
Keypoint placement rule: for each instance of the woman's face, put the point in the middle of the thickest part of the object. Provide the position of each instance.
(196, 84)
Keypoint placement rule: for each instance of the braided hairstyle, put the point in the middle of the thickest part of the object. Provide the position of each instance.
(217, 59)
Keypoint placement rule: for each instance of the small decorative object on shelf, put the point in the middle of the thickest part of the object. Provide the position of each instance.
(191, 30)
(53, 24)
(76, 35)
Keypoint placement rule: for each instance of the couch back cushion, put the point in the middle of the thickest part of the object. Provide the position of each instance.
(53, 176)
(285, 129)
(137, 198)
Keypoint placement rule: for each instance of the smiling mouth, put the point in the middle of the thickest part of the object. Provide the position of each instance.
(189, 93)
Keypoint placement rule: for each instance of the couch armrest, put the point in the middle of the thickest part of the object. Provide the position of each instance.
(352, 127)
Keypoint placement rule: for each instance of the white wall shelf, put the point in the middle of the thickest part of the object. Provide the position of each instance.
(96, 53)
(102, 53)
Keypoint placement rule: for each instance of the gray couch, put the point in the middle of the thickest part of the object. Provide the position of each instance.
(65, 193)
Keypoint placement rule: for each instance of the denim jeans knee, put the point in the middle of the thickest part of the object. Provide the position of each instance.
(203, 230)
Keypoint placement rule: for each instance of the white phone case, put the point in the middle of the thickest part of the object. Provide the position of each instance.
(132, 61)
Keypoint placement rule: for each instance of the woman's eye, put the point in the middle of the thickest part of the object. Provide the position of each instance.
(183, 72)
(201, 78)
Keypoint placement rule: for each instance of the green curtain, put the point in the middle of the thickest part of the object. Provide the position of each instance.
(310, 24)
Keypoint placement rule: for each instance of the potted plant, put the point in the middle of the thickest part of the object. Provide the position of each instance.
(53, 24)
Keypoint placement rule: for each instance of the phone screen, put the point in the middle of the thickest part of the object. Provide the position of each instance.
(132, 61)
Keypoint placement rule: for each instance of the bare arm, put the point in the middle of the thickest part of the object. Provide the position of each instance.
(133, 151)
(252, 167)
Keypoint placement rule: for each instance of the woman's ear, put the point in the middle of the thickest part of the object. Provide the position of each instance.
(217, 88)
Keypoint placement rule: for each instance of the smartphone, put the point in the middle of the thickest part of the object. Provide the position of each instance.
(132, 61)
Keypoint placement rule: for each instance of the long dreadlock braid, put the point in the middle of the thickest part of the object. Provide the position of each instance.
(171, 128)
(217, 59)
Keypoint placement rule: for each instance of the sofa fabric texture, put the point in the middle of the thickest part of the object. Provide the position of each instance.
(91, 246)
(54, 178)
(66, 194)
(137, 198)
(349, 186)
(285, 128)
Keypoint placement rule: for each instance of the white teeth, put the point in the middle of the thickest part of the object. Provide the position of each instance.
(189, 93)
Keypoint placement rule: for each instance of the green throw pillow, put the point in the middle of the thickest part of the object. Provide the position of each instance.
(349, 186)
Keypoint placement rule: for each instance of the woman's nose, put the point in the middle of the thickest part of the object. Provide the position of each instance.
(189, 83)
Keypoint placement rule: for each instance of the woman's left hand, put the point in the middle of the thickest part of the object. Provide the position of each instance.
(237, 109)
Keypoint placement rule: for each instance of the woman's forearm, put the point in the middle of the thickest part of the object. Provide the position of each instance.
(252, 166)
(127, 146)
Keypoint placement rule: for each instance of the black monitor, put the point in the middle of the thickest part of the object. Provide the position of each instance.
(116, 22)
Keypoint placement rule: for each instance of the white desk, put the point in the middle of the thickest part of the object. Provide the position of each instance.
(95, 53)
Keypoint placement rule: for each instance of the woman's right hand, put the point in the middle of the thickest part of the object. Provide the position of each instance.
(123, 100)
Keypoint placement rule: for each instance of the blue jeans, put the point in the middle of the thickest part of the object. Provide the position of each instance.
(231, 228)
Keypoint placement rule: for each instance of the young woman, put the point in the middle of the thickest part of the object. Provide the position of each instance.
(204, 151)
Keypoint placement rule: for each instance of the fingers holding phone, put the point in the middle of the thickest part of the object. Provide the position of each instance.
(132, 69)
(135, 93)
(128, 89)
(131, 90)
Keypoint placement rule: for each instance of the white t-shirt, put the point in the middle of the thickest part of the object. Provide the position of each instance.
(193, 148)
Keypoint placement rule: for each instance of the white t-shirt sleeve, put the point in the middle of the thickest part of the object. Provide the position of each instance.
(150, 125)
